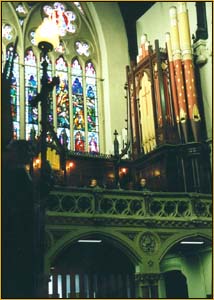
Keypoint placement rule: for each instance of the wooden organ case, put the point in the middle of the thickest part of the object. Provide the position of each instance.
(168, 147)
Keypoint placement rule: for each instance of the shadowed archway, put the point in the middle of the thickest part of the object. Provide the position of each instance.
(176, 286)
(92, 270)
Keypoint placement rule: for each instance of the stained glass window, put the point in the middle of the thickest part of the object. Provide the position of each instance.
(63, 19)
(92, 109)
(31, 113)
(21, 10)
(82, 48)
(73, 104)
(78, 106)
(32, 37)
(62, 103)
(7, 32)
(14, 95)
(60, 48)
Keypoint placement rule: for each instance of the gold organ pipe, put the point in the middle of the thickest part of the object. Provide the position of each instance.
(176, 54)
(185, 42)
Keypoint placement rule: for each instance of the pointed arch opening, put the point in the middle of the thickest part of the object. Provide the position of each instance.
(94, 266)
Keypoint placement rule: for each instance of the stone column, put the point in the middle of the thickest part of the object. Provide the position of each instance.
(147, 285)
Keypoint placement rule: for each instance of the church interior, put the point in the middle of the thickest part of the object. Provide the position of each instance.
(106, 138)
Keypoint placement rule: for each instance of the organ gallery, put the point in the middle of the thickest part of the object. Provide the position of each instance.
(106, 117)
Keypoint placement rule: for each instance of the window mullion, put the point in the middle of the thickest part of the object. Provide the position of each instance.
(85, 109)
(70, 107)
(22, 99)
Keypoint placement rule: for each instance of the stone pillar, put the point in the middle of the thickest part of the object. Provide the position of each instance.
(203, 65)
(147, 285)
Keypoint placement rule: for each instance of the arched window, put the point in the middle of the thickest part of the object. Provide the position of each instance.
(73, 104)
(92, 108)
(78, 106)
(15, 93)
(31, 84)
(62, 102)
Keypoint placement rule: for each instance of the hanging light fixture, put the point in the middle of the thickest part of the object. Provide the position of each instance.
(47, 35)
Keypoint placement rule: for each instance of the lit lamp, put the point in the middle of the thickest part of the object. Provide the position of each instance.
(46, 38)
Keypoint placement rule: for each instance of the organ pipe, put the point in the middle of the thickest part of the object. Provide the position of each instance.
(185, 43)
(177, 59)
(173, 82)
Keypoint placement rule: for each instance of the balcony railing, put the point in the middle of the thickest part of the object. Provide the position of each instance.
(103, 204)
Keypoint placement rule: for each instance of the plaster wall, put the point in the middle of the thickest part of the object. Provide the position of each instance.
(156, 22)
(195, 278)
(206, 269)
(114, 58)
(206, 74)
(195, 267)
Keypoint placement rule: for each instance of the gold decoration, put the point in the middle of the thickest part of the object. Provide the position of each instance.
(195, 113)
(182, 116)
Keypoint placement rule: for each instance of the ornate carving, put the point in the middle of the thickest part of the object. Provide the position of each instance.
(147, 279)
(200, 51)
(148, 243)
(155, 223)
(131, 235)
(164, 236)
(150, 263)
(57, 234)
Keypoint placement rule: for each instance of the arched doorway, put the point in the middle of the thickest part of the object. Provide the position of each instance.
(92, 268)
(176, 286)
(183, 267)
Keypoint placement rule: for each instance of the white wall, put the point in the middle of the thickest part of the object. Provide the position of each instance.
(206, 74)
(114, 58)
(206, 269)
(156, 22)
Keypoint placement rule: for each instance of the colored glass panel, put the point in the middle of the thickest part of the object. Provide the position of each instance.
(77, 96)
(32, 37)
(82, 48)
(21, 10)
(79, 140)
(15, 95)
(30, 92)
(62, 100)
(7, 32)
(92, 108)
(93, 142)
(63, 19)
(64, 137)
(60, 48)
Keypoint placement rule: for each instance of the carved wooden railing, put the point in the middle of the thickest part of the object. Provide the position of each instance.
(102, 204)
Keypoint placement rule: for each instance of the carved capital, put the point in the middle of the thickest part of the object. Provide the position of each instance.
(147, 279)
(201, 52)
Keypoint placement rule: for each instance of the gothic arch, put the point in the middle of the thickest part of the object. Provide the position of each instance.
(116, 239)
(106, 44)
(178, 237)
